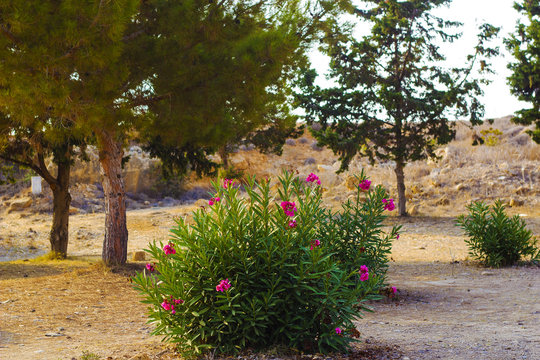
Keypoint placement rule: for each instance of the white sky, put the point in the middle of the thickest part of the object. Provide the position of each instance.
(497, 99)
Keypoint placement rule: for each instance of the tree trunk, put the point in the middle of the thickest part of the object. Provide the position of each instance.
(116, 234)
(224, 155)
(400, 176)
(61, 201)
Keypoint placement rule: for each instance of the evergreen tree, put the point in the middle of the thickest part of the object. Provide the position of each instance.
(173, 73)
(57, 80)
(524, 82)
(29, 147)
(393, 97)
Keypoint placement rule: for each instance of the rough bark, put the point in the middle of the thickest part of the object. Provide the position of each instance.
(224, 155)
(59, 234)
(116, 234)
(400, 177)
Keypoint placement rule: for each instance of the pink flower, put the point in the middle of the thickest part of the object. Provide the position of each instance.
(166, 306)
(314, 244)
(338, 331)
(213, 200)
(313, 178)
(223, 285)
(388, 204)
(150, 267)
(288, 207)
(364, 185)
(227, 183)
(292, 224)
(169, 249)
(364, 273)
(397, 237)
(394, 290)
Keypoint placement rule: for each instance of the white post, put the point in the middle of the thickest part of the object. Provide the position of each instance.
(36, 185)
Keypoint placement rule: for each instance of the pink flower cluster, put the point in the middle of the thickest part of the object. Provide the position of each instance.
(169, 306)
(169, 249)
(338, 331)
(292, 224)
(214, 200)
(289, 207)
(313, 178)
(223, 285)
(364, 273)
(364, 185)
(227, 183)
(150, 267)
(314, 244)
(388, 204)
(394, 290)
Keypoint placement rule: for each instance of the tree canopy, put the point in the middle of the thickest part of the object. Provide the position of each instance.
(185, 76)
(524, 44)
(393, 96)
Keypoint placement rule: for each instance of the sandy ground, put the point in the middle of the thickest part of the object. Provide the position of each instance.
(448, 308)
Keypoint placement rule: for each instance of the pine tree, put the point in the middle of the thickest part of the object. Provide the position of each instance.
(28, 147)
(524, 81)
(56, 82)
(168, 72)
(393, 97)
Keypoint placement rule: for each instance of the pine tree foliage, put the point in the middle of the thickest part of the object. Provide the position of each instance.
(185, 75)
(393, 96)
(524, 44)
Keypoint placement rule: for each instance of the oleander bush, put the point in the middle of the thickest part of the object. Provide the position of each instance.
(267, 269)
(494, 238)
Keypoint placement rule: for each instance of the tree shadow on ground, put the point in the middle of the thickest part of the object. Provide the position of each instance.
(34, 269)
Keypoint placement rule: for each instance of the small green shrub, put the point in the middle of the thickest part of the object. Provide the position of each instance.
(355, 233)
(87, 355)
(494, 238)
(260, 271)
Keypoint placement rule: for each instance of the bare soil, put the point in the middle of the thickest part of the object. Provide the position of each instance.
(447, 308)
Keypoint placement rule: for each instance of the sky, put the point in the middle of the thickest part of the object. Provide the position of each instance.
(497, 99)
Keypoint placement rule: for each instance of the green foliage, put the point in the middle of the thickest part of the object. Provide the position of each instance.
(392, 99)
(230, 173)
(355, 233)
(491, 137)
(87, 355)
(524, 45)
(287, 290)
(494, 238)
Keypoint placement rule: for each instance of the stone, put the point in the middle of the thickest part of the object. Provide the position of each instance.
(53, 334)
(73, 210)
(201, 203)
(20, 204)
(139, 256)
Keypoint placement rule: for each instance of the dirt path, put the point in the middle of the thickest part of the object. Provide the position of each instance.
(445, 310)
